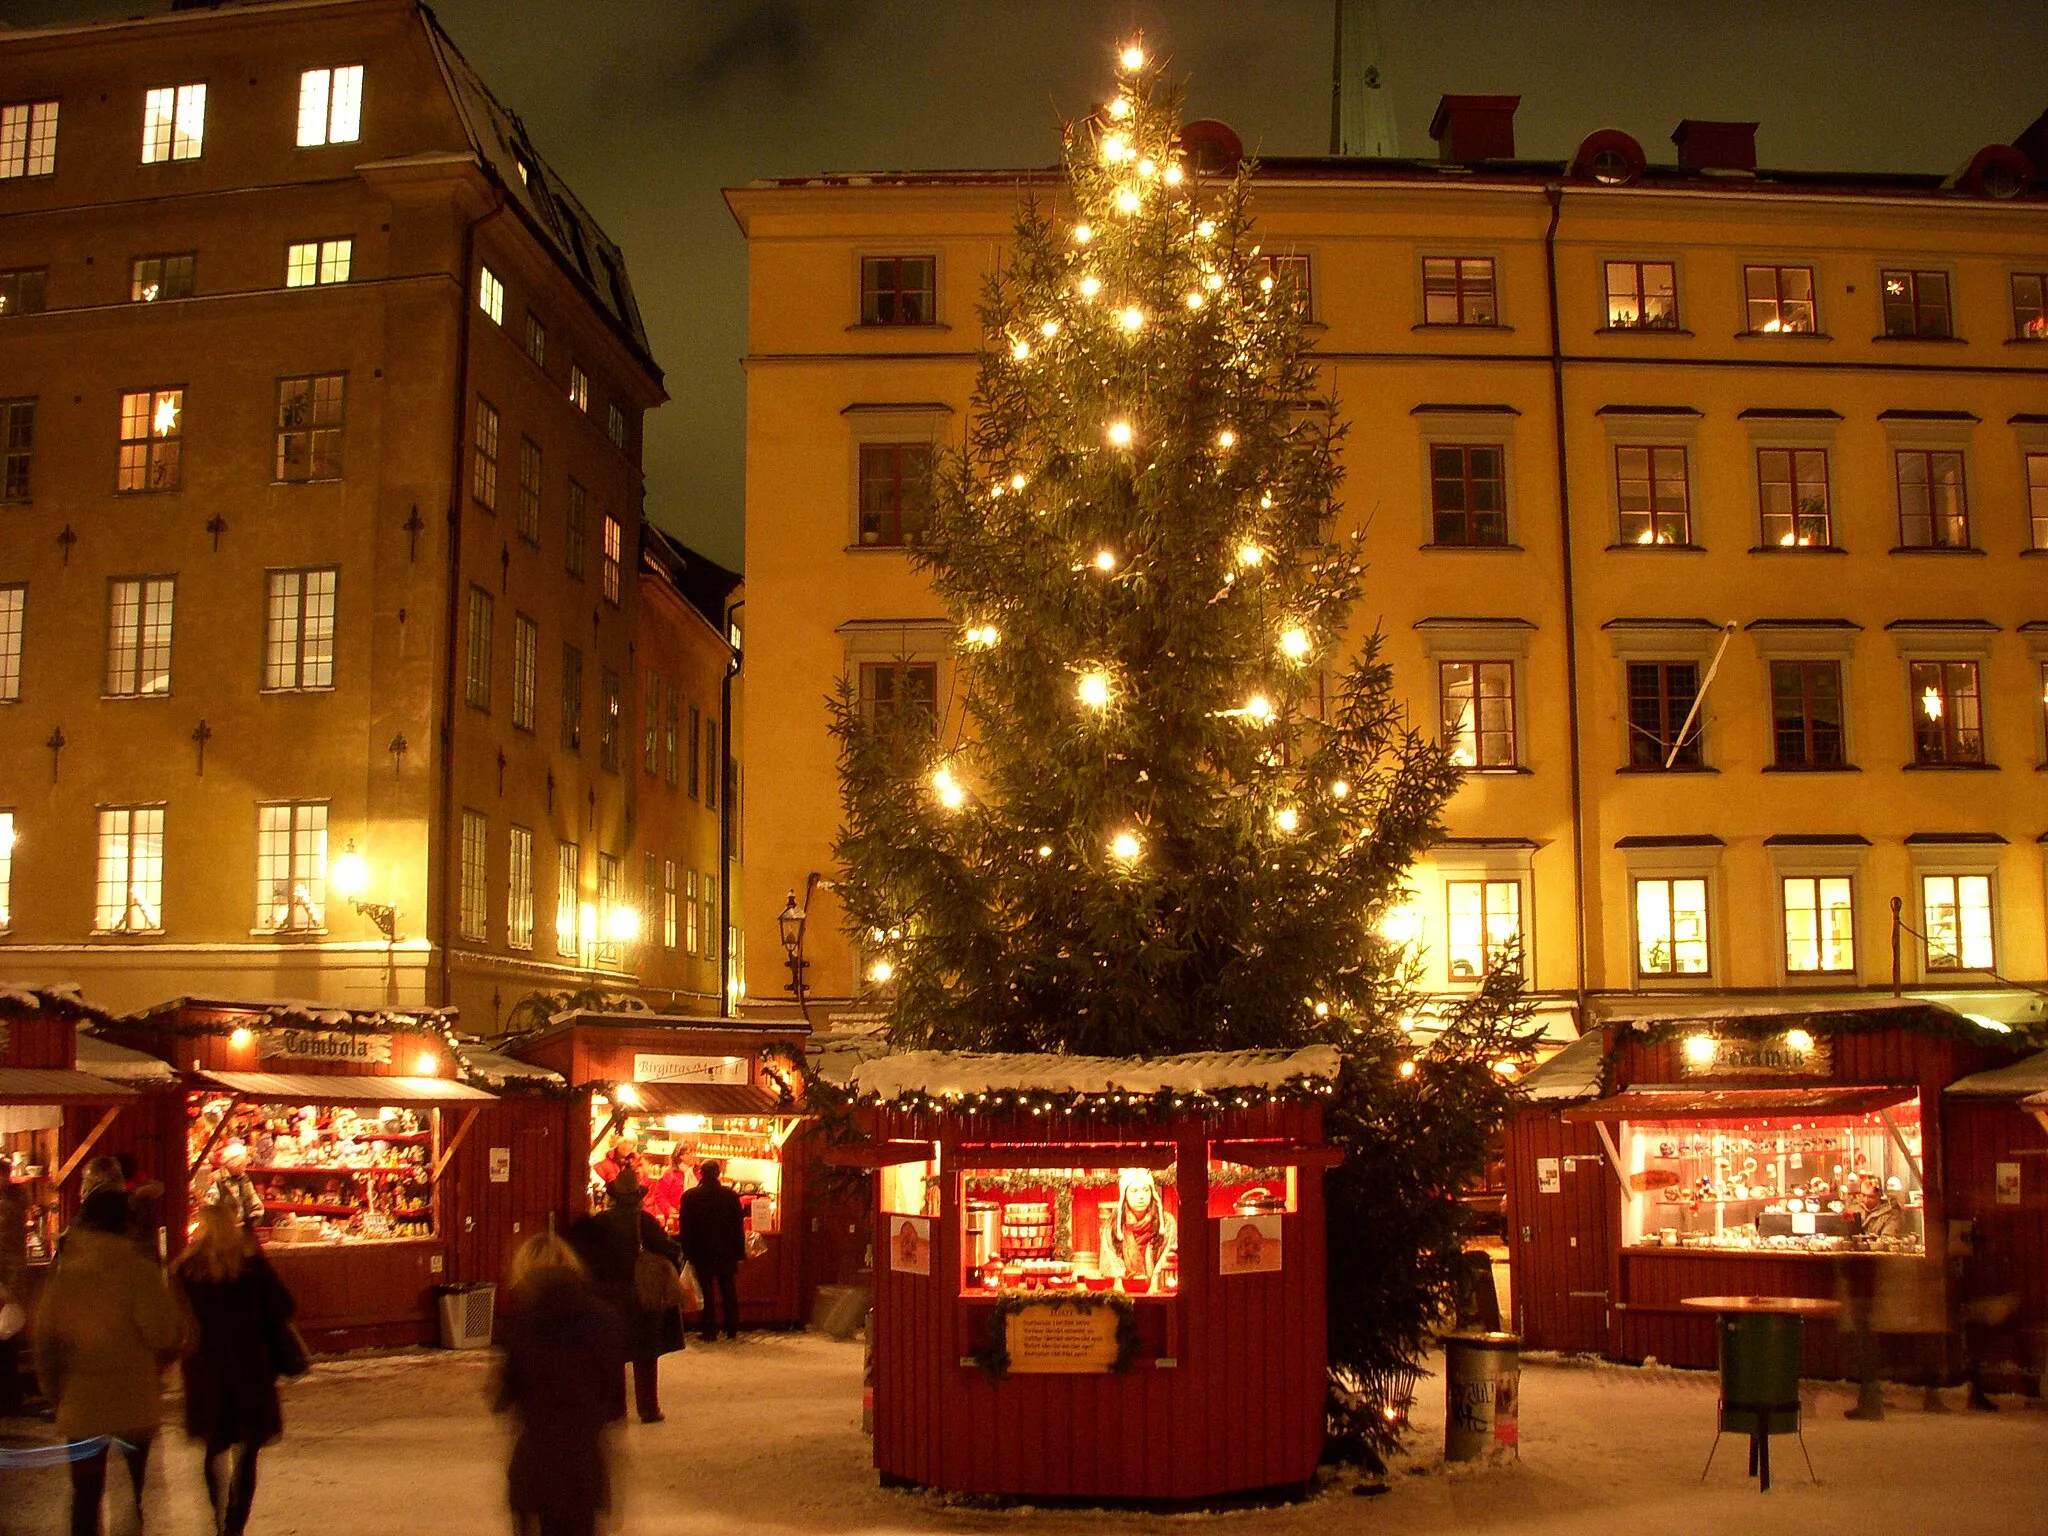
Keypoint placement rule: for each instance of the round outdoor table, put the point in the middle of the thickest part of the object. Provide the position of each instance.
(1760, 1346)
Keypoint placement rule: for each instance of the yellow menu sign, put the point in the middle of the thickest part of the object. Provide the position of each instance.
(1061, 1338)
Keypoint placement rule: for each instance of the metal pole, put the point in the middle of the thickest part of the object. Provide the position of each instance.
(1897, 923)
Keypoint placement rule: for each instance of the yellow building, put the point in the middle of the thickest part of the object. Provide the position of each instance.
(1624, 439)
(323, 505)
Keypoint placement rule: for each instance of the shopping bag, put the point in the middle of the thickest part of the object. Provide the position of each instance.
(655, 1285)
(693, 1293)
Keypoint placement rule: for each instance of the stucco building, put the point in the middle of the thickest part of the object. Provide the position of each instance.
(1707, 517)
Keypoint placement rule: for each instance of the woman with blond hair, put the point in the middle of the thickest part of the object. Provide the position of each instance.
(563, 1355)
(241, 1312)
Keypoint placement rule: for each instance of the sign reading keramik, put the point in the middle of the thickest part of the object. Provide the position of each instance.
(323, 1045)
(1795, 1053)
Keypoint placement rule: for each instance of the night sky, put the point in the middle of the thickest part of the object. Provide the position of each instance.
(649, 107)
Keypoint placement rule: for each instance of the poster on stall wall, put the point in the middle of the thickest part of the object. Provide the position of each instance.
(910, 1244)
(2006, 1181)
(1549, 1176)
(1250, 1245)
(501, 1165)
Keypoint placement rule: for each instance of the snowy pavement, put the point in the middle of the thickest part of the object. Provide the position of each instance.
(763, 1436)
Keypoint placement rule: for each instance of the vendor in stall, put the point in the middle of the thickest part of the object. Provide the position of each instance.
(233, 1188)
(1142, 1233)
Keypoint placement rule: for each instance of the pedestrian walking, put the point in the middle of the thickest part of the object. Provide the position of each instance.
(105, 1328)
(714, 1234)
(239, 1309)
(560, 1376)
(610, 1245)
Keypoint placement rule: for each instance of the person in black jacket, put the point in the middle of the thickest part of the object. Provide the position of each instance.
(609, 1245)
(560, 1371)
(715, 1241)
(238, 1307)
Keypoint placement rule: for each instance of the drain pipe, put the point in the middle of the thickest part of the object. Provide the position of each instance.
(728, 1006)
(1555, 193)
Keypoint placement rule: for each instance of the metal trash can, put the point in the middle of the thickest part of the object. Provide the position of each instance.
(1760, 1373)
(1482, 1383)
(466, 1313)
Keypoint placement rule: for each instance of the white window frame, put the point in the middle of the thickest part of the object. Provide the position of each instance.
(473, 911)
(300, 608)
(568, 898)
(319, 262)
(1677, 859)
(668, 903)
(1830, 856)
(525, 671)
(141, 626)
(173, 123)
(490, 295)
(28, 139)
(122, 842)
(1959, 857)
(519, 888)
(691, 940)
(330, 106)
(7, 834)
(13, 630)
(304, 866)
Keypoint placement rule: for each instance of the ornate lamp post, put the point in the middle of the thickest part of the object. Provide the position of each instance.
(790, 922)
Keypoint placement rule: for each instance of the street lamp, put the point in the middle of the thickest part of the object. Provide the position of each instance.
(790, 922)
(349, 875)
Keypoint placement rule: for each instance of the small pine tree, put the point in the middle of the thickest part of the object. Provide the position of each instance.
(1160, 812)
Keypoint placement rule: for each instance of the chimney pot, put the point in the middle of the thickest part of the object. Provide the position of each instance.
(1469, 128)
(1709, 146)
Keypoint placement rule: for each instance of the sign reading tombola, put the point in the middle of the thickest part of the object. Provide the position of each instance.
(323, 1045)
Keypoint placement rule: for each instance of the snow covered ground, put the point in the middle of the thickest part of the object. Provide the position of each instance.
(763, 1436)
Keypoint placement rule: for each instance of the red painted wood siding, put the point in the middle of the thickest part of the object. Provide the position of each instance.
(1560, 1246)
(35, 1040)
(1980, 1134)
(487, 1222)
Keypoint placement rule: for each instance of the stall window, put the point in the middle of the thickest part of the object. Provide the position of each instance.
(1820, 924)
(1671, 928)
(667, 1149)
(1102, 1228)
(1956, 916)
(28, 1138)
(322, 1173)
(1485, 926)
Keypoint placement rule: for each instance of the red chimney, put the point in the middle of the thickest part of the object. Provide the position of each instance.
(1468, 128)
(1704, 146)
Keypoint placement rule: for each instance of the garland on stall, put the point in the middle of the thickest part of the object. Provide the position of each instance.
(1162, 1105)
(994, 1355)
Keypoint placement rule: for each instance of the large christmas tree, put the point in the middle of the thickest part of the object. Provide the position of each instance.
(1170, 798)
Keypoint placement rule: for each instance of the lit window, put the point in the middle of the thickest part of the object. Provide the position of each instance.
(291, 866)
(1660, 697)
(128, 891)
(490, 295)
(901, 692)
(1642, 296)
(579, 388)
(614, 548)
(668, 903)
(483, 478)
(23, 290)
(173, 123)
(1916, 304)
(1290, 274)
(2037, 497)
(1948, 720)
(529, 490)
(615, 425)
(519, 889)
(309, 419)
(1485, 926)
(707, 894)
(298, 629)
(1934, 512)
(607, 947)
(13, 611)
(1458, 291)
(1806, 714)
(477, 686)
(1820, 924)
(1656, 503)
(1671, 927)
(1956, 917)
(898, 290)
(28, 139)
(161, 277)
(1792, 488)
(573, 533)
(139, 636)
(525, 670)
(475, 892)
(1478, 712)
(1468, 494)
(1780, 299)
(17, 449)
(568, 897)
(691, 941)
(609, 722)
(309, 263)
(892, 492)
(6, 870)
(2030, 306)
(331, 106)
(572, 699)
(650, 727)
(536, 340)
(152, 437)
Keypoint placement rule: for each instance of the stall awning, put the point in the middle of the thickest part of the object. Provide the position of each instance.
(699, 1099)
(54, 1085)
(1735, 1103)
(312, 1088)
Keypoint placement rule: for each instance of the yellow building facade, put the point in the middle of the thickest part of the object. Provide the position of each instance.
(1705, 512)
(322, 523)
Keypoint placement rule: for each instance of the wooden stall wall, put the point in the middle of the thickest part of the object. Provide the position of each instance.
(1227, 1392)
(1981, 1134)
(1561, 1243)
(37, 1040)
(526, 1138)
(150, 1129)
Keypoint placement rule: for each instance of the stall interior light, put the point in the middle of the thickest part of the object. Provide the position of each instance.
(627, 1095)
(240, 1039)
(688, 1124)
(427, 1065)
(1699, 1049)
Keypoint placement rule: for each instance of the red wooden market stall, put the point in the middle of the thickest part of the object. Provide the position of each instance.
(670, 1091)
(1097, 1278)
(348, 1121)
(1997, 1123)
(1784, 1154)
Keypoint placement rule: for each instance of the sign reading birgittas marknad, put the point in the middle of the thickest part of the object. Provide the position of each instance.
(652, 1067)
(1795, 1053)
(322, 1045)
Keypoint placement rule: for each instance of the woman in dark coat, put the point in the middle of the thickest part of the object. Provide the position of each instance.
(240, 1308)
(609, 1245)
(559, 1374)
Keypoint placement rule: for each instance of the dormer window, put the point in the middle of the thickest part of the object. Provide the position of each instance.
(331, 106)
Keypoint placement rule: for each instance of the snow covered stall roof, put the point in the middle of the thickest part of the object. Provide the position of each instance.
(2025, 1080)
(1574, 1073)
(946, 1074)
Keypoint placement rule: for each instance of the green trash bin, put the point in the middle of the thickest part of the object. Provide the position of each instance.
(1760, 1373)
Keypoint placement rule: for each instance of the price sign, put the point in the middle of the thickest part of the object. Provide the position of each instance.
(1059, 1338)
